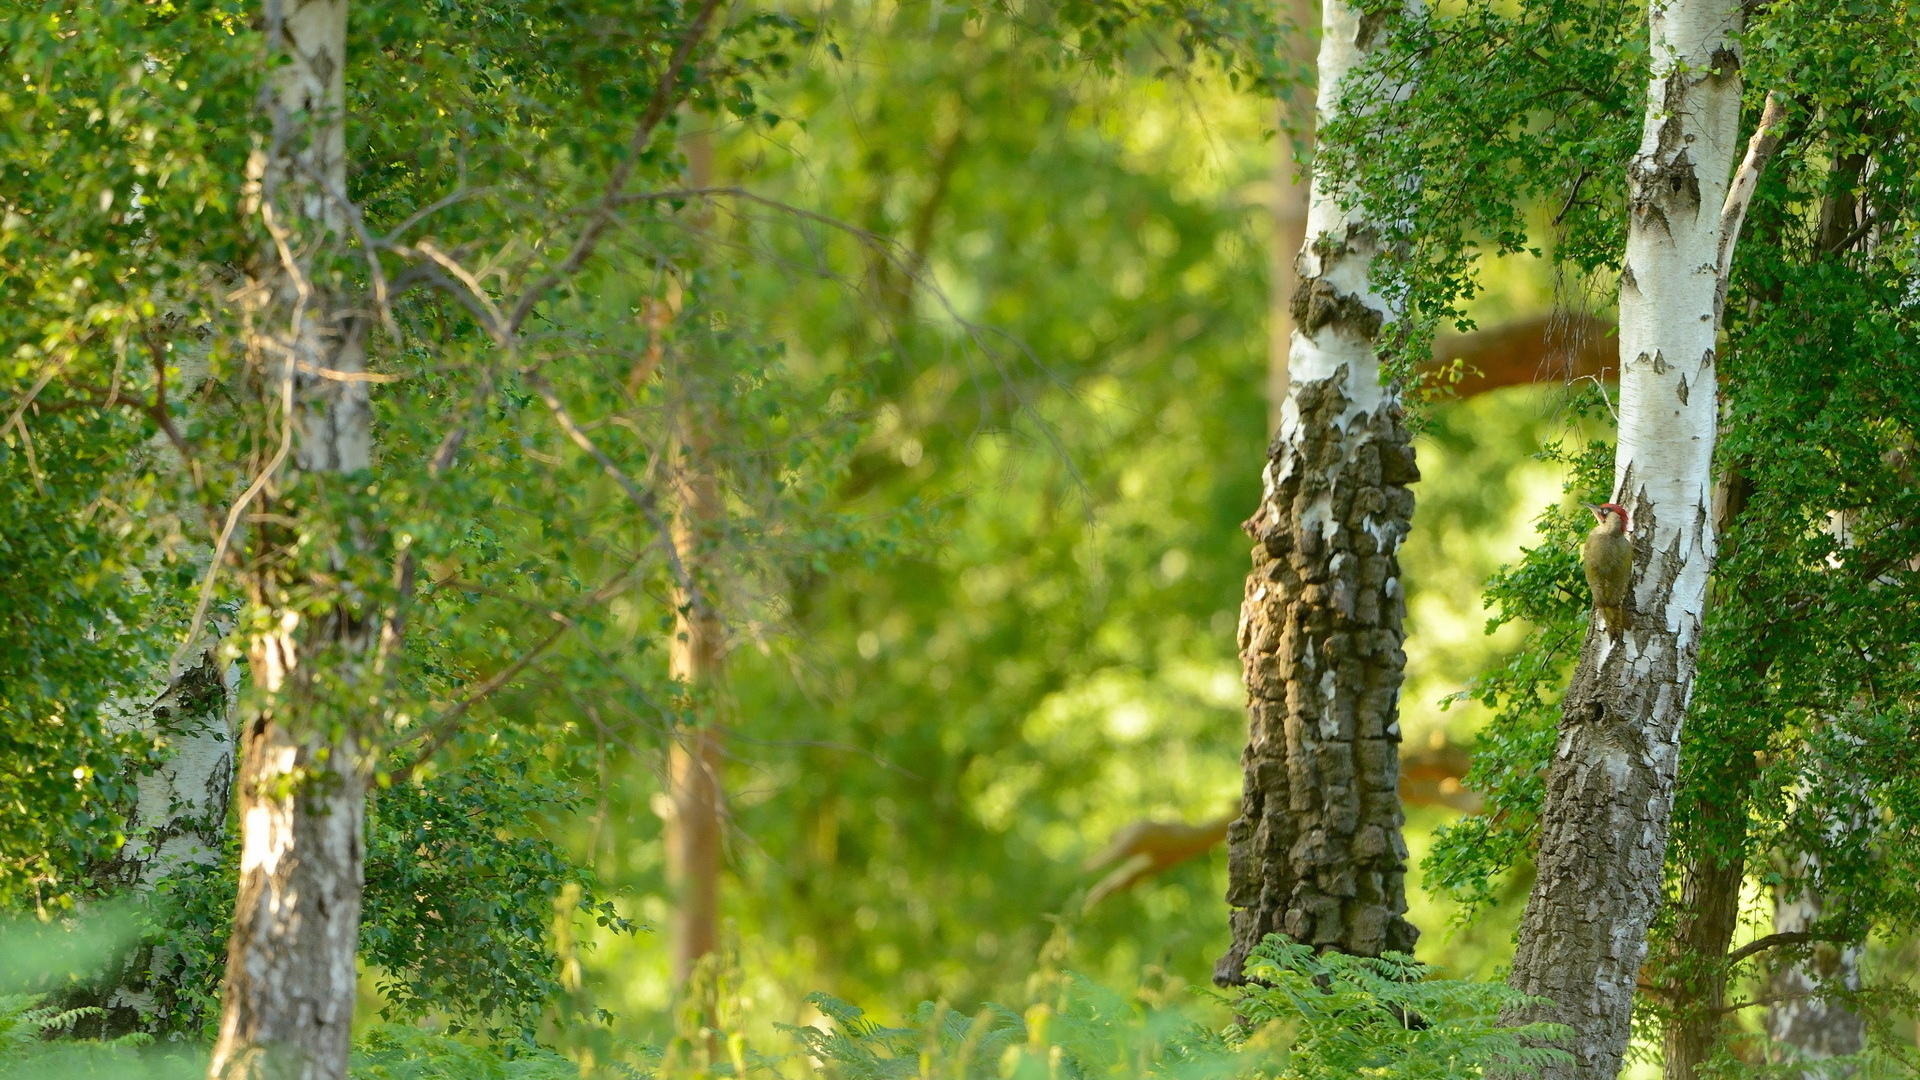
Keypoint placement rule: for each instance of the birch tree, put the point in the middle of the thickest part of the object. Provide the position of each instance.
(1317, 853)
(304, 763)
(328, 574)
(1610, 788)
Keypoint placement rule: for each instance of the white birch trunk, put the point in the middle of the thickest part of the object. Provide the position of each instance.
(178, 820)
(179, 816)
(291, 975)
(1291, 200)
(1610, 786)
(1317, 853)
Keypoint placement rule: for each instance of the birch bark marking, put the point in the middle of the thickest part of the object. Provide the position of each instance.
(1317, 853)
(178, 820)
(1806, 1016)
(302, 787)
(1610, 785)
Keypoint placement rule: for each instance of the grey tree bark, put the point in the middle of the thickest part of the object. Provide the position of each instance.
(1610, 785)
(291, 974)
(1317, 852)
(178, 820)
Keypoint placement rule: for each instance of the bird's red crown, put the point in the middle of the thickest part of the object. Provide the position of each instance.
(1601, 512)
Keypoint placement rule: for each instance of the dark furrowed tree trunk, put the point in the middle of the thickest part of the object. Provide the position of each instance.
(1317, 853)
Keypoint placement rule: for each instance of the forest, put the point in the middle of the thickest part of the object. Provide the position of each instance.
(959, 539)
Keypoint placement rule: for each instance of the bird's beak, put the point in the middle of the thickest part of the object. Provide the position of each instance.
(1594, 507)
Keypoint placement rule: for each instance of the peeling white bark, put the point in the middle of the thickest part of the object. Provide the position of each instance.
(1610, 786)
(179, 815)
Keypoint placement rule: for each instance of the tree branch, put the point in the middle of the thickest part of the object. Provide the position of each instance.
(643, 500)
(442, 728)
(1788, 937)
(1733, 215)
(664, 99)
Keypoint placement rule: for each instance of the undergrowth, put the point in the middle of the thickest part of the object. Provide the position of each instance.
(1305, 1017)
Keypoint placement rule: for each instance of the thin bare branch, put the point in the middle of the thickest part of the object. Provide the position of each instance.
(642, 499)
(444, 727)
(1733, 215)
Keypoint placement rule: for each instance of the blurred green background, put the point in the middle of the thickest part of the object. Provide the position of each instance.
(1058, 363)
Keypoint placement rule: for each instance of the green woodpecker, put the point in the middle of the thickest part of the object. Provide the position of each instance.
(1609, 559)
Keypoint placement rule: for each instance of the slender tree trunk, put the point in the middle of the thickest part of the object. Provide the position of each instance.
(695, 791)
(1710, 912)
(179, 814)
(303, 772)
(698, 659)
(1711, 880)
(1317, 852)
(1610, 785)
(1803, 1020)
(1290, 198)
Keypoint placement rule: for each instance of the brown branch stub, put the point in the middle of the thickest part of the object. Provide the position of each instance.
(1545, 348)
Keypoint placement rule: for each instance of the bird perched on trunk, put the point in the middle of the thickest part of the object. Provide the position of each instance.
(1609, 560)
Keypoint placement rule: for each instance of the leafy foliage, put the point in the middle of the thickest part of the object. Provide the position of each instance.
(1386, 1017)
(463, 875)
(1523, 117)
(1306, 1017)
(1546, 593)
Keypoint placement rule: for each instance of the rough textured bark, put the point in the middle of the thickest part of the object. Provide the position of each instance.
(1290, 199)
(179, 815)
(290, 970)
(1610, 785)
(1317, 853)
